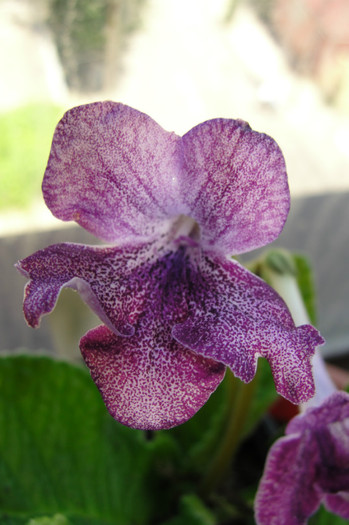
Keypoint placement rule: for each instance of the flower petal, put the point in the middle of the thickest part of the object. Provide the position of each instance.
(329, 423)
(235, 317)
(308, 467)
(93, 272)
(149, 381)
(114, 171)
(119, 284)
(286, 494)
(338, 503)
(236, 187)
(121, 176)
(334, 409)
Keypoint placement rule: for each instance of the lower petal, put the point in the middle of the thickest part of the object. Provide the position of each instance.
(148, 381)
(236, 317)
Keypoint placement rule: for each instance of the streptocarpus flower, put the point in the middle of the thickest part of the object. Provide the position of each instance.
(175, 310)
(307, 467)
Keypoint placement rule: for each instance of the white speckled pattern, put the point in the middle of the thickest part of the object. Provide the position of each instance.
(236, 318)
(149, 381)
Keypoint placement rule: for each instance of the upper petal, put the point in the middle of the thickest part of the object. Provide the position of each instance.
(113, 170)
(235, 317)
(333, 410)
(121, 176)
(149, 381)
(236, 186)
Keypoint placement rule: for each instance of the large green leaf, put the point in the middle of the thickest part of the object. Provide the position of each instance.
(61, 452)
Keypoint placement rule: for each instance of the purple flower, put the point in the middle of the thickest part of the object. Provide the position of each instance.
(310, 465)
(307, 467)
(175, 310)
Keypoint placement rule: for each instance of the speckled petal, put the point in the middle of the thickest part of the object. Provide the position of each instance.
(149, 381)
(96, 273)
(236, 187)
(329, 423)
(286, 494)
(121, 284)
(113, 170)
(235, 317)
(308, 467)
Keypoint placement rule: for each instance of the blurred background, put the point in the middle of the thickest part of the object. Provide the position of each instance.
(282, 65)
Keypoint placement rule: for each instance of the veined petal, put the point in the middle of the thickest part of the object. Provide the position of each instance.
(118, 174)
(329, 424)
(236, 187)
(149, 381)
(235, 317)
(114, 171)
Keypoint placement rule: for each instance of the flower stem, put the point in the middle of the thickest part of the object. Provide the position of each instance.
(239, 399)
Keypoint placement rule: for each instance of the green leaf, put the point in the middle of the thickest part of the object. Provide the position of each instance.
(57, 519)
(306, 284)
(194, 443)
(192, 511)
(196, 438)
(61, 452)
(264, 396)
(324, 517)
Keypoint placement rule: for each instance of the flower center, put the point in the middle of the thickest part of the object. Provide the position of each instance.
(186, 228)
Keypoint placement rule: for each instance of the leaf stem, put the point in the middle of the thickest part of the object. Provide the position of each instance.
(240, 396)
